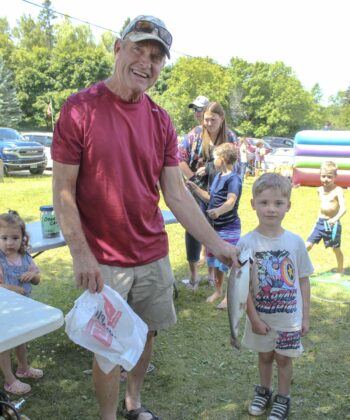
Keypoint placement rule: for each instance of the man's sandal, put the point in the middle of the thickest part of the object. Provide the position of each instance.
(134, 414)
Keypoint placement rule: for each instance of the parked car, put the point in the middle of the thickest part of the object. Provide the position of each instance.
(18, 154)
(275, 142)
(280, 160)
(44, 138)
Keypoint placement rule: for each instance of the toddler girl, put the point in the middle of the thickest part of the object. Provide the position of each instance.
(17, 273)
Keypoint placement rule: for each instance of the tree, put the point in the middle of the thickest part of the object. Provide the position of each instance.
(73, 63)
(49, 62)
(267, 99)
(316, 93)
(76, 60)
(6, 43)
(10, 113)
(31, 80)
(45, 18)
(28, 34)
(107, 42)
(186, 79)
(162, 83)
(339, 110)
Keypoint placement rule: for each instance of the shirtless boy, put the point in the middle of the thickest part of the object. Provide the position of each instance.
(332, 208)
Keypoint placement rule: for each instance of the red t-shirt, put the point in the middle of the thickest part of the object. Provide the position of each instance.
(121, 148)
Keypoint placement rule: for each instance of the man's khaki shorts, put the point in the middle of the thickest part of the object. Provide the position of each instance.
(148, 289)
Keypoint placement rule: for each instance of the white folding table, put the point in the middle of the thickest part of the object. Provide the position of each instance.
(39, 244)
(22, 319)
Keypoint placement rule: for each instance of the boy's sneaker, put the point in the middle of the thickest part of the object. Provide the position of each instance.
(280, 408)
(260, 401)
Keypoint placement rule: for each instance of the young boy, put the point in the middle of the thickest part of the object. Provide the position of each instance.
(332, 208)
(279, 301)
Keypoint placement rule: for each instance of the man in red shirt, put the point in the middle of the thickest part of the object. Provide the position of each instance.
(112, 146)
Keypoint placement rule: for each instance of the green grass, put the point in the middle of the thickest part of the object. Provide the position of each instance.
(198, 375)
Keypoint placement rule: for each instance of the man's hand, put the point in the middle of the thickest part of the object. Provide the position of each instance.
(191, 186)
(87, 273)
(226, 253)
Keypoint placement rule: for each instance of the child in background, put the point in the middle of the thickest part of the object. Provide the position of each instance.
(243, 151)
(17, 273)
(223, 199)
(332, 208)
(278, 304)
(260, 152)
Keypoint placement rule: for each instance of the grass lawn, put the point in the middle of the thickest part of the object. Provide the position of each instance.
(198, 375)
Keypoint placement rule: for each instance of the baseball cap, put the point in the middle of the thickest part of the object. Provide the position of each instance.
(200, 102)
(145, 27)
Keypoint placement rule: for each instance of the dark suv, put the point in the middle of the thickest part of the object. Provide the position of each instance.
(18, 154)
(276, 142)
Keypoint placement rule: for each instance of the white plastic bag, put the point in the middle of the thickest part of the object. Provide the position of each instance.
(105, 324)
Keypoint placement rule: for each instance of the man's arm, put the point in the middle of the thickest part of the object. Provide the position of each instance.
(86, 269)
(305, 294)
(186, 170)
(188, 213)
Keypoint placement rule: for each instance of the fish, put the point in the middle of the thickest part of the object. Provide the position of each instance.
(238, 286)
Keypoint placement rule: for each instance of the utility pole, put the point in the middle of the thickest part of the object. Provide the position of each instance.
(50, 113)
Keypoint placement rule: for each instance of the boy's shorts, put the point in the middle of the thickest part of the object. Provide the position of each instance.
(148, 289)
(331, 235)
(286, 343)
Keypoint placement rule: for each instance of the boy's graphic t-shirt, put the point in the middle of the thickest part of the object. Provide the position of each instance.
(280, 263)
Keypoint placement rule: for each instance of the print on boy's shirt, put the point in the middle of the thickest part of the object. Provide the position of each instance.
(276, 275)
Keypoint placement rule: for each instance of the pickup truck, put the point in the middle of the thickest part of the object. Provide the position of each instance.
(17, 154)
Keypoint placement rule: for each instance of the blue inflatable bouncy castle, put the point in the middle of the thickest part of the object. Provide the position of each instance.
(312, 147)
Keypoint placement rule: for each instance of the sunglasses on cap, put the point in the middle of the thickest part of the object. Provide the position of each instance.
(197, 109)
(151, 28)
